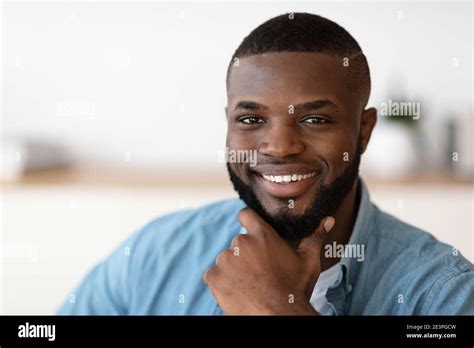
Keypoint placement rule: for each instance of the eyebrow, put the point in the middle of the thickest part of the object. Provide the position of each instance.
(312, 105)
(250, 105)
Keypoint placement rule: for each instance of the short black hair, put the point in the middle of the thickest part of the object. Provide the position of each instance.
(306, 32)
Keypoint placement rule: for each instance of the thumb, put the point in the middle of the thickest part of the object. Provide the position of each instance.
(310, 247)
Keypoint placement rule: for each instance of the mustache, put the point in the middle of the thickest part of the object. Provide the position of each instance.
(317, 164)
(281, 161)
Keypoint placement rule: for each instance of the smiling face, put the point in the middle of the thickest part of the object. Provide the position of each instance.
(301, 113)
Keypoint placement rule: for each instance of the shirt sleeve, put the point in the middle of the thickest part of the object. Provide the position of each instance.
(455, 296)
(105, 288)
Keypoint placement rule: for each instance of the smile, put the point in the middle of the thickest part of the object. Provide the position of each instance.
(286, 179)
(287, 185)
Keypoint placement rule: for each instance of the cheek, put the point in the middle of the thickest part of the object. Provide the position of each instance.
(336, 152)
(236, 141)
(240, 141)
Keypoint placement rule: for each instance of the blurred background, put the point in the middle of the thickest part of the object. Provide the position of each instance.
(112, 113)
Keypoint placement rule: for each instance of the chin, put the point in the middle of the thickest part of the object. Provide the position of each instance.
(293, 206)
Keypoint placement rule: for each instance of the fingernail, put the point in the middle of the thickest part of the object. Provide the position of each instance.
(329, 224)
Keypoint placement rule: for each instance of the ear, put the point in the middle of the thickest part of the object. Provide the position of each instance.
(367, 124)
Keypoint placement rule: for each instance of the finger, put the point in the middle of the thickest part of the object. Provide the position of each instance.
(238, 241)
(209, 275)
(310, 247)
(223, 257)
(253, 222)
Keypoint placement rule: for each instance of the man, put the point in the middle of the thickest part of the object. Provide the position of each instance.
(297, 91)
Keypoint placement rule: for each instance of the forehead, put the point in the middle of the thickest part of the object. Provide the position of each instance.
(289, 77)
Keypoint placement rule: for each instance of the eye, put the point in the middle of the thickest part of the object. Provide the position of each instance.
(251, 120)
(315, 120)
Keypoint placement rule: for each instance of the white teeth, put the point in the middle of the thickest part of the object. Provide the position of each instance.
(285, 179)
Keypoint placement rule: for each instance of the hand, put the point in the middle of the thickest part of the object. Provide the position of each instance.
(262, 274)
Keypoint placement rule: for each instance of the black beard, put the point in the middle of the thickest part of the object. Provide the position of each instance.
(327, 201)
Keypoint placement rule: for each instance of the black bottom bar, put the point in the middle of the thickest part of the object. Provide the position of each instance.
(141, 330)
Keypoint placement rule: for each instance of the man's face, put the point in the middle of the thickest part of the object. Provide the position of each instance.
(297, 110)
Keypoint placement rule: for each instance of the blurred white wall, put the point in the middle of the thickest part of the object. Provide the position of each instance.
(146, 80)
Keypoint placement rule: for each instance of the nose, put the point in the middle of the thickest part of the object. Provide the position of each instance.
(281, 141)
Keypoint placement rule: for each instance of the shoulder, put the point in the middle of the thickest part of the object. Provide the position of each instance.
(184, 223)
(423, 269)
(190, 233)
(164, 257)
(414, 247)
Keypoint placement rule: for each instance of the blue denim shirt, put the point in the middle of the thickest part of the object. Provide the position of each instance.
(158, 270)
